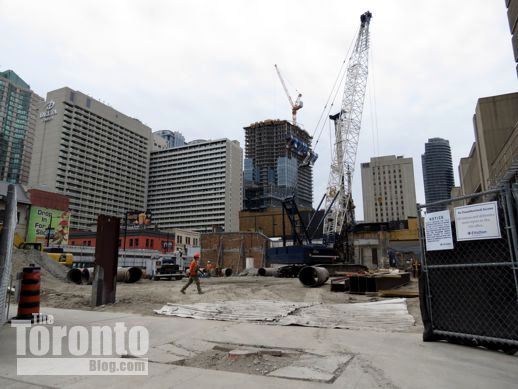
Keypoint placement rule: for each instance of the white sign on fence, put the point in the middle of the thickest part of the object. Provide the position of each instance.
(477, 222)
(437, 227)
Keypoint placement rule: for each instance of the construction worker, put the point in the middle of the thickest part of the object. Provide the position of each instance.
(416, 268)
(209, 268)
(194, 268)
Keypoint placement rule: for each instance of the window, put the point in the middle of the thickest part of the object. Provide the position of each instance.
(151, 243)
(136, 242)
(147, 242)
(195, 242)
(187, 240)
(179, 240)
(131, 243)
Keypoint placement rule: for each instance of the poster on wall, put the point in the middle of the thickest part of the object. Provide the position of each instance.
(437, 227)
(477, 222)
(51, 224)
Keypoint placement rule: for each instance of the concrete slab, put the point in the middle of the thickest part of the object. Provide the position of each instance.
(381, 359)
(327, 364)
(302, 373)
(242, 352)
(158, 355)
(175, 350)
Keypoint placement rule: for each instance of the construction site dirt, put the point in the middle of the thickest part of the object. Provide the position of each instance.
(145, 296)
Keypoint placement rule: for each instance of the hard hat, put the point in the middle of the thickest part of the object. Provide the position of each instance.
(208, 261)
(196, 255)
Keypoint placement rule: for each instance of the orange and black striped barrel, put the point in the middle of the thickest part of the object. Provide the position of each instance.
(29, 293)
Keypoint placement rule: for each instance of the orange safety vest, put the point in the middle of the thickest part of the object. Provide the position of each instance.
(193, 269)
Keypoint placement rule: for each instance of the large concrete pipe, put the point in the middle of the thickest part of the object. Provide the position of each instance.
(268, 271)
(74, 275)
(313, 276)
(129, 274)
(88, 275)
(227, 272)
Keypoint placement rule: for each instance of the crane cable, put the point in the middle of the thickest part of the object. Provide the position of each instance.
(373, 107)
(336, 85)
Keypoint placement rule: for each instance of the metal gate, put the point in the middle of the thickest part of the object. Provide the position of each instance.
(469, 290)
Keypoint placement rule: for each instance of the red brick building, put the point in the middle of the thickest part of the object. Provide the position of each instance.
(132, 240)
(52, 200)
(230, 249)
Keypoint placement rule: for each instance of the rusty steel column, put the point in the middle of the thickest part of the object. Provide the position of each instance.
(106, 260)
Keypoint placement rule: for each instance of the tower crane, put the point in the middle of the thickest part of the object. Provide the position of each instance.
(294, 106)
(347, 123)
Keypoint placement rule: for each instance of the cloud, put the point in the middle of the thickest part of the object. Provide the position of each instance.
(205, 68)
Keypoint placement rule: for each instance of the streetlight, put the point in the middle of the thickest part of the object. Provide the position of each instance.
(126, 228)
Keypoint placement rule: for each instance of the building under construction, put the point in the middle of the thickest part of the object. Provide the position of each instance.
(278, 164)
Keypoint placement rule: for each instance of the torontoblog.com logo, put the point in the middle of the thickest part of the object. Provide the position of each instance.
(48, 349)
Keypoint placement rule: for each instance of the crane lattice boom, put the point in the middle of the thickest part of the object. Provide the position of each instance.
(347, 130)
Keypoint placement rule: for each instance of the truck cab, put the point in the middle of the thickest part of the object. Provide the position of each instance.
(165, 266)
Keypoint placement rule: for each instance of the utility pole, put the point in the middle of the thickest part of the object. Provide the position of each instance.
(125, 231)
(49, 228)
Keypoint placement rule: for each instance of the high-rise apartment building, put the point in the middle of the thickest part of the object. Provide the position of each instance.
(197, 186)
(275, 151)
(92, 153)
(493, 159)
(388, 188)
(172, 138)
(437, 172)
(18, 115)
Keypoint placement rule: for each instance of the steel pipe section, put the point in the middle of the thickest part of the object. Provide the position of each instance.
(87, 275)
(129, 274)
(268, 272)
(313, 276)
(75, 275)
(227, 272)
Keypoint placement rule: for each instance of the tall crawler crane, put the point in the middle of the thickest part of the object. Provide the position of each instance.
(339, 212)
(347, 123)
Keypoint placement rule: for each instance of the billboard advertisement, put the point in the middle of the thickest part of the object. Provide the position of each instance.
(138, 219)
(51, 224)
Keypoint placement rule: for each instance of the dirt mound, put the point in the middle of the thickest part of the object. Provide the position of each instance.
(49, 267)
(56, 291)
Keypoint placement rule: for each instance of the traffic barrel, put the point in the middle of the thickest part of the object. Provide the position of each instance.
(29, 302)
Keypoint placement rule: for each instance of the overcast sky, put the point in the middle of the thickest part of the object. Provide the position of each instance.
(206, 68)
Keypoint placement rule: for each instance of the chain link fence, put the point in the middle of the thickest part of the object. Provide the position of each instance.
(469, 283)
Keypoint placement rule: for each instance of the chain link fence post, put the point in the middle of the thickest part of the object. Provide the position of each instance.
(6, 249)
(513, 211)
